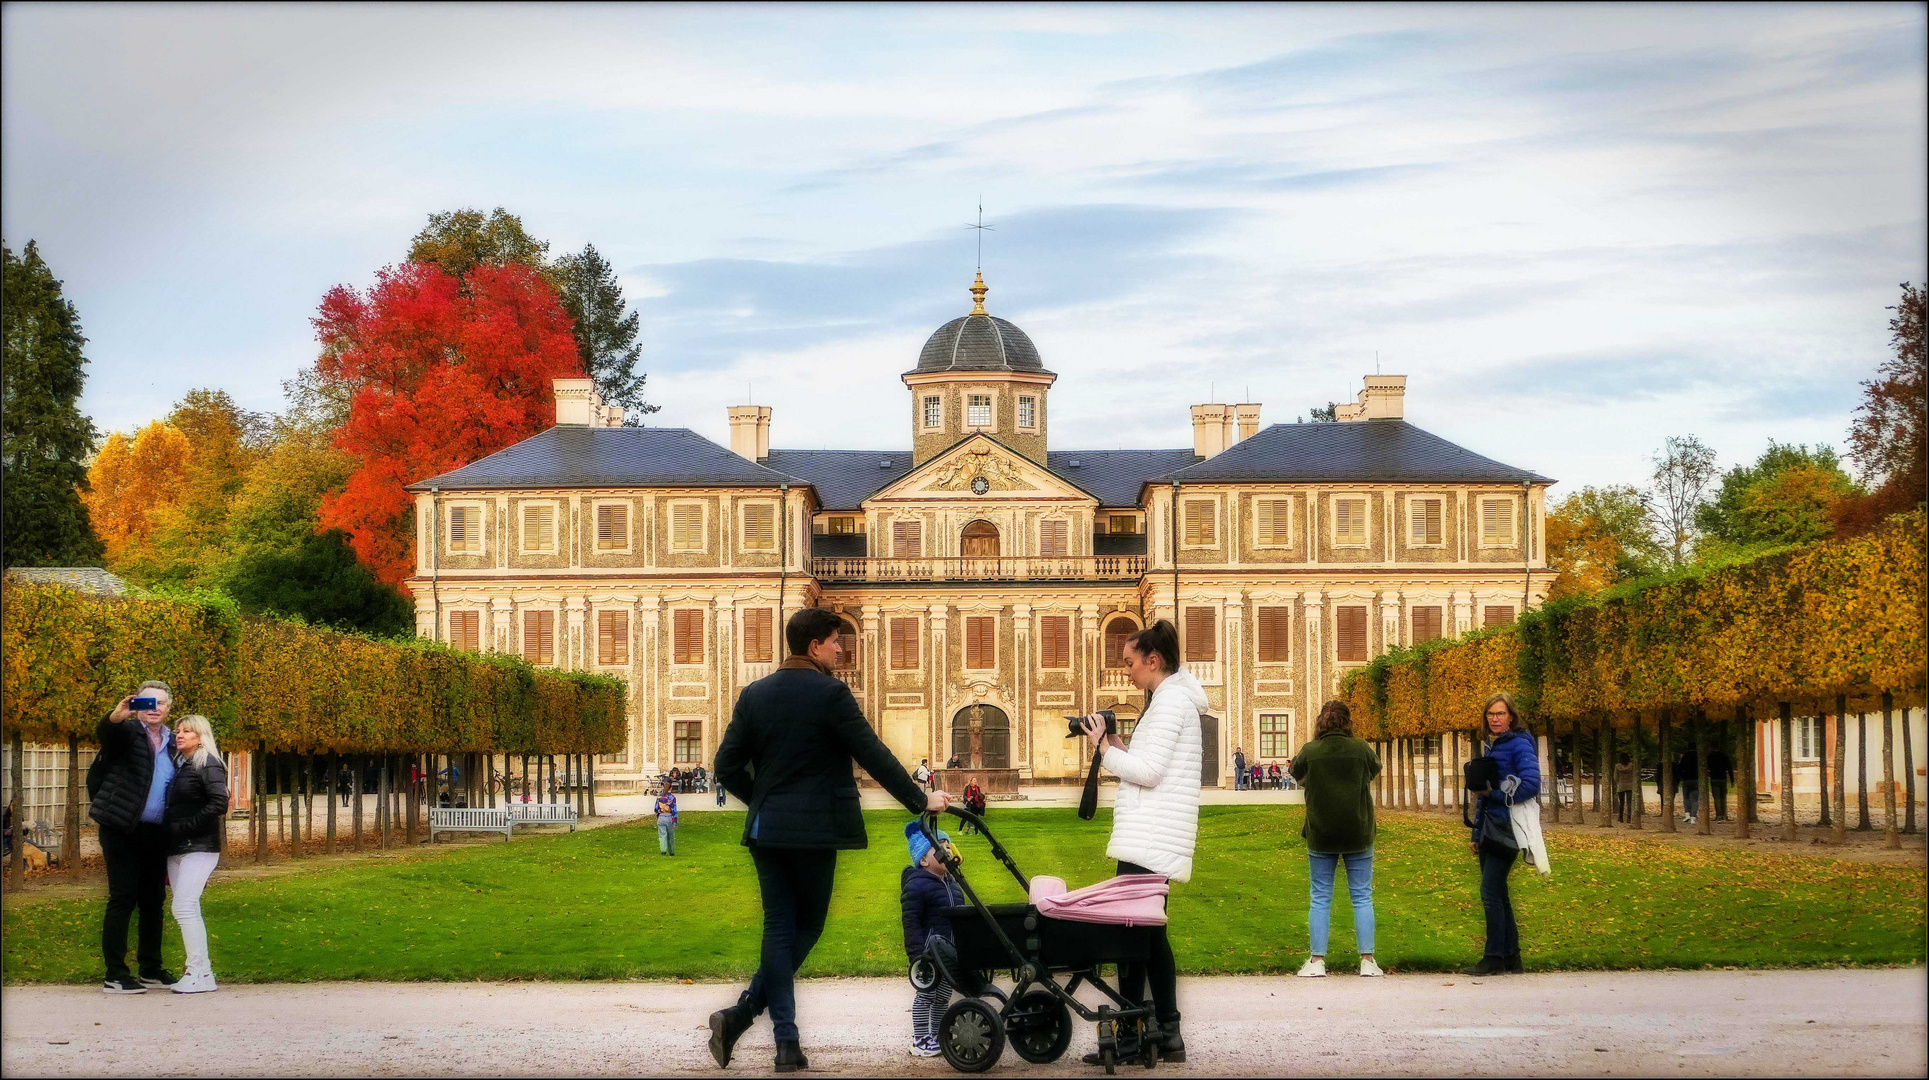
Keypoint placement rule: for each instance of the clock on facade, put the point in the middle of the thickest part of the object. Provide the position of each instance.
(980, 485)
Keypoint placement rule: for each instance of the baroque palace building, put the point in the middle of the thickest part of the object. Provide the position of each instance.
(986, 579)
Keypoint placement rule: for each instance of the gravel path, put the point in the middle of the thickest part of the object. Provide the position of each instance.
(1703, 1023)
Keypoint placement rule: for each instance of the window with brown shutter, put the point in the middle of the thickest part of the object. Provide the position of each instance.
(1202, 634)
(612, 637)
(465, 630)
(759, 527)
(539, 637)
(1055, 641)
(612, 528)
(1117, 633)
(465, 528)
(981, 644)
(1424, 516)
(907, 540)
(1496, 521)
(1349, 521)
(904, 644)
(1275, 635)
(1427, 624)
(757, 637)
(686, 528)
(1199, 523)
(686, 631)
(1497, 615)
(539, 528)
(1349, 636)
(1051, 540)
(1274, 518)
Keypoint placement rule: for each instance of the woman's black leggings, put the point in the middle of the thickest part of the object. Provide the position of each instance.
(1503, 936)
(1163, 970)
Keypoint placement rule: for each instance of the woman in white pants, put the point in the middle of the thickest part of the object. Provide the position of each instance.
(197, 808)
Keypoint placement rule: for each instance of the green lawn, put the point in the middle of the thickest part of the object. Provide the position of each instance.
(602, 904)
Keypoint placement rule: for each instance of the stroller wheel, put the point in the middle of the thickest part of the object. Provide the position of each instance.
(1039, 1027)
(970, 1036)
(924, 973)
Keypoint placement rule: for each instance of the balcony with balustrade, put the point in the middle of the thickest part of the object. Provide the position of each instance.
(1008, 569)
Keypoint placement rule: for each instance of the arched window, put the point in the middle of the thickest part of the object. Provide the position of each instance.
(979, 541)
(847, 637)
(1116, 632)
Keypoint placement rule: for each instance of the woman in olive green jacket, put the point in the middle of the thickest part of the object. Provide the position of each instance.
(1337, 770)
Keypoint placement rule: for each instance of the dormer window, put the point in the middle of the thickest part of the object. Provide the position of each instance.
(1028, 412)
(933, 412)
(978, 412)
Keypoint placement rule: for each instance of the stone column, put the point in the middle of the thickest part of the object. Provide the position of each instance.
(575, 610)
(940, 683)
(875, 661)
(1233, 732)
(425, 617)
(1089, 660)
(497, 638)
(649, 691)
(1463, 613)
(1021, 672)
(1311, 604)
(724, 682)
(1389, 620)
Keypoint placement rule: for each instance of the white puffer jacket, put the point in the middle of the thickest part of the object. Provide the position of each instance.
(1155, 822)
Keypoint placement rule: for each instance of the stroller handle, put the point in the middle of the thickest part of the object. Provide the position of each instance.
(928, 823)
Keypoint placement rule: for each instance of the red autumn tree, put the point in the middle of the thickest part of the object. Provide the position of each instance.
(443, 372)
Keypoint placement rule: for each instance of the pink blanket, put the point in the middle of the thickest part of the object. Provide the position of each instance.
(1126, 900)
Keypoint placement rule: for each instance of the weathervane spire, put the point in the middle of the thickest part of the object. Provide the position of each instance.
(978, 288)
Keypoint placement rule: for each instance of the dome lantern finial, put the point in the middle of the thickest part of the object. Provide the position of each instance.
(978, 291)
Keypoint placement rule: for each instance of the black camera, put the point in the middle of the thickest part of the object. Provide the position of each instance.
(1077, 725)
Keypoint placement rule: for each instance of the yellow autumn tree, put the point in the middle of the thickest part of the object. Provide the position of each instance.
(134, 482)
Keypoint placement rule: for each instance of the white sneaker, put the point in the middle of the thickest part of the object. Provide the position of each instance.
(924, 1048)
(1370, 969)
(195, 984)
(1313, 968)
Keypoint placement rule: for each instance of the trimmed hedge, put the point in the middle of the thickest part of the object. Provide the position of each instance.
(69, 656)
(1801, 625)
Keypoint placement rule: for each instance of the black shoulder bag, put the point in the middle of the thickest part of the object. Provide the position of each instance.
(1482, 774)
(1088, 799)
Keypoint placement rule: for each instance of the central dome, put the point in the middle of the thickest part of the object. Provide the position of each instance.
(979, 342)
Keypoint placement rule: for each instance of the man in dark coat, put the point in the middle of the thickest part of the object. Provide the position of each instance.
(129, 801)
(787, 756)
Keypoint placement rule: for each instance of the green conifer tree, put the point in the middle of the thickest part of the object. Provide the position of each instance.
(44, 437)
(605, 333)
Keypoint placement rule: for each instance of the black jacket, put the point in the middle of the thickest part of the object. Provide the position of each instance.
(197, 801)
(126, 768)
(787, 755)
(922, 898)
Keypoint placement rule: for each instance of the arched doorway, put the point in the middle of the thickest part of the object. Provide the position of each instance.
(981, 737)
(1117, 630)
(847, 637)
(979, 541)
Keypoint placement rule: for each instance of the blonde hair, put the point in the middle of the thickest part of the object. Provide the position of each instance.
(200, 726)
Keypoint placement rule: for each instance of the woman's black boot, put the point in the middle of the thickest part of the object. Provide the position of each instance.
(790, 1057)
(1489, 965)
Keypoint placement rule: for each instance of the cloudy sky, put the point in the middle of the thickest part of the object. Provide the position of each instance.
(1578, 230)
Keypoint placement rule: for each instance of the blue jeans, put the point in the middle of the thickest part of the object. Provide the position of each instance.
(1359, 882)
(1241, 778)
(665, 835)
(1503, 936)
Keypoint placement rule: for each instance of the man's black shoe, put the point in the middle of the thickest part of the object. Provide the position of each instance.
(1489, 965)
(154, 980)
(125, 984)
(1514, 966)
(726, 1027)
(1171, 1046)
(790, 1057)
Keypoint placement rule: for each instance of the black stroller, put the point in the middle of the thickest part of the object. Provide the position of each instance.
(1014, 940)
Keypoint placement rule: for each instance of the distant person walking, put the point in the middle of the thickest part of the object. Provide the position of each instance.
(787, 755)
(1337, 770)
(197, 809)
(1689, 784)
(666, 819)
(1624, 781)
(1239, 769)
(1518, 760)
(1721, 773)
(127, 789)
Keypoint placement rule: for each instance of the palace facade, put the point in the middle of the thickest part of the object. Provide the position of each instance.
(986, 578)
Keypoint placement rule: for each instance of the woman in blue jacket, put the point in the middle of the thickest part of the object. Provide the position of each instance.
(1514, 748)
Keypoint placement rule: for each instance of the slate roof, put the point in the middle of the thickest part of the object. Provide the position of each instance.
(1115, 476)
(1368, 450)
(979, 343)
(569, 456)
(843, 478)
(87, 579)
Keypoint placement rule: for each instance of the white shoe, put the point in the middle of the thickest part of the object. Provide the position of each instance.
(925, 1048)
(1313, 968)
(195, 984)
(1370, 969)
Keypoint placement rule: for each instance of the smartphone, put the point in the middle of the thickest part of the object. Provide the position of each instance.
(144, 704)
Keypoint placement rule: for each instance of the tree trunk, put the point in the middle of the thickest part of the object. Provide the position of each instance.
(70, 832)
(1754, 771)
(281, 801)
(1908, 778)
(525, 778)
(1788, 771)
(412, 799)
(1744, 786)
(381, 804)
(592, 773)
(17, 807)
(1603, 777)
(1822, 772)
(355, 792)
(1636, 798)
(328, 795)
(1862, 772)
(259, 818)
(1889, 838)
(1574, 767)
(1704, 816)
(1664, 721)
(1841, 822)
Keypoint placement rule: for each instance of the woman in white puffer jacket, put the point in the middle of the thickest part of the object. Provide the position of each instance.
(1155, 820)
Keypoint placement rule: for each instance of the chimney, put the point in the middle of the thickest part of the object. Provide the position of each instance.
(579, 405)
(1211, 429)
(1381, 399)
(750, 431)
(1248, 421)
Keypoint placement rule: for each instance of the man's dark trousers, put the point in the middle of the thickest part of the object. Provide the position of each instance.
(796, 888)
(136, 879)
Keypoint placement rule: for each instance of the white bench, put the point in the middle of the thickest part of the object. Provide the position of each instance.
(467, 819)
(538, 813)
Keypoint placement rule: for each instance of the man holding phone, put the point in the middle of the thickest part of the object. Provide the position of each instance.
(127, 788)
